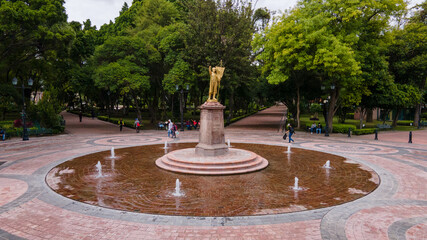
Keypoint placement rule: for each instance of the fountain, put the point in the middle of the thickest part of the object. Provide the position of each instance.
(327, 165)
(205, 195)
(212, 156)
(228, 143)
(177, 192)
(256, 193)
(112, 153)
(166, 145)
(99, 169)
(296, 188)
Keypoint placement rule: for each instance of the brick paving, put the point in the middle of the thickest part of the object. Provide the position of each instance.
(397, 209)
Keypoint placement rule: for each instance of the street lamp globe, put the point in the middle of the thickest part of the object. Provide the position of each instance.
(15, 81)
(30, 82)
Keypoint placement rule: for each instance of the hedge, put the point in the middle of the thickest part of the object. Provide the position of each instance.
(130, 124)
(342, 128)
(405, 122)
(363, 131)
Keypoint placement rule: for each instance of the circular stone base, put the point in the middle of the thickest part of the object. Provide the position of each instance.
(236, 161)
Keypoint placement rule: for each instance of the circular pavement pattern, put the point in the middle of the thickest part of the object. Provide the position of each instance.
(31, 210)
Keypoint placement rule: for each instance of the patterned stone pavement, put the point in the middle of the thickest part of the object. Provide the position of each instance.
(397, 209)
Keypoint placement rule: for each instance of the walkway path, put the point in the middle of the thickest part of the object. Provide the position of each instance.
(29, 209)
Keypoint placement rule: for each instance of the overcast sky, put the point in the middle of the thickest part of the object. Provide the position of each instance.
(102, 11)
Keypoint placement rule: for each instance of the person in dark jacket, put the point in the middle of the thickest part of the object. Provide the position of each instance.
(290, 132)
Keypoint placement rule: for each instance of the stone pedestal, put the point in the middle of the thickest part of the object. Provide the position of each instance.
(211, 133)
(211, 156)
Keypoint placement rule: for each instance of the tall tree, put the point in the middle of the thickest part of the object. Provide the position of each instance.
(408, 56)
(320, 38)
(221, 31)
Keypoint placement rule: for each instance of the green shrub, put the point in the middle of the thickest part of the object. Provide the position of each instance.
(405, 122)
(349, 115)
(363, 131)
(343, 128)
(127, 123)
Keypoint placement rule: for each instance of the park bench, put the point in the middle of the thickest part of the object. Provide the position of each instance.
(383, 126)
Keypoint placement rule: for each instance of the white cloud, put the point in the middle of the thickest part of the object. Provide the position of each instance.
(102, 11)
(98, 11)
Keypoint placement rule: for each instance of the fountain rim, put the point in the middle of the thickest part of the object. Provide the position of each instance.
(189, 220)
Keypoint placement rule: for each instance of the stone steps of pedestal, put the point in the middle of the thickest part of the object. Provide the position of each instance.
(253, 162)
(223, 163)
(202, 170)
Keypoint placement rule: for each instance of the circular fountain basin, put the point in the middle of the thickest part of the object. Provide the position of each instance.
(133, 182)
(235, 161)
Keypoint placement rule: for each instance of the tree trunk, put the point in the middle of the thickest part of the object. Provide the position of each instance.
(361, 116)
(417, 115)
(298, 108)
(332, 108)
(138, 109)
(231, 107)
(395, 118)
(81, 102)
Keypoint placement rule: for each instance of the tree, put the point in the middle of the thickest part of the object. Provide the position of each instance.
(121, 67)
(34, 41)
(323, 41)
(408, 56)
(222, 31)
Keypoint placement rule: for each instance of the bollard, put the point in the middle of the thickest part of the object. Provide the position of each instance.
(410, 137)
(349, 132)
(376, 134)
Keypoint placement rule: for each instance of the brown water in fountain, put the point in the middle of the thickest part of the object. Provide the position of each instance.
(134, 183)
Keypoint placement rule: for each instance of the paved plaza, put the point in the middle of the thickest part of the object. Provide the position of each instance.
(397, 209)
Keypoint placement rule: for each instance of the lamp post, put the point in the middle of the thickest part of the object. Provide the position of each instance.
(181, 106)
(24, 127)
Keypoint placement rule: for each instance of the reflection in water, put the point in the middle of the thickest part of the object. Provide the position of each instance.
(137, 184)
(296, 195)
(327, 173)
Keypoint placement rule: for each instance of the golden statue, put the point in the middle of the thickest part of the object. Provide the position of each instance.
(216, 74)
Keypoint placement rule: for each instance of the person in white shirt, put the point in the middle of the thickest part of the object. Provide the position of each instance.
(170, 127)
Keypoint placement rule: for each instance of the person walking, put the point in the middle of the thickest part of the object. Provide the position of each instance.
(121, 124)
(80, 116)
(290, 132)
(170, 126)
(174, 130)
(137, 125)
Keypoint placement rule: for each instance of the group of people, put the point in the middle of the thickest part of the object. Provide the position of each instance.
(316, 128)
(191, 124)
